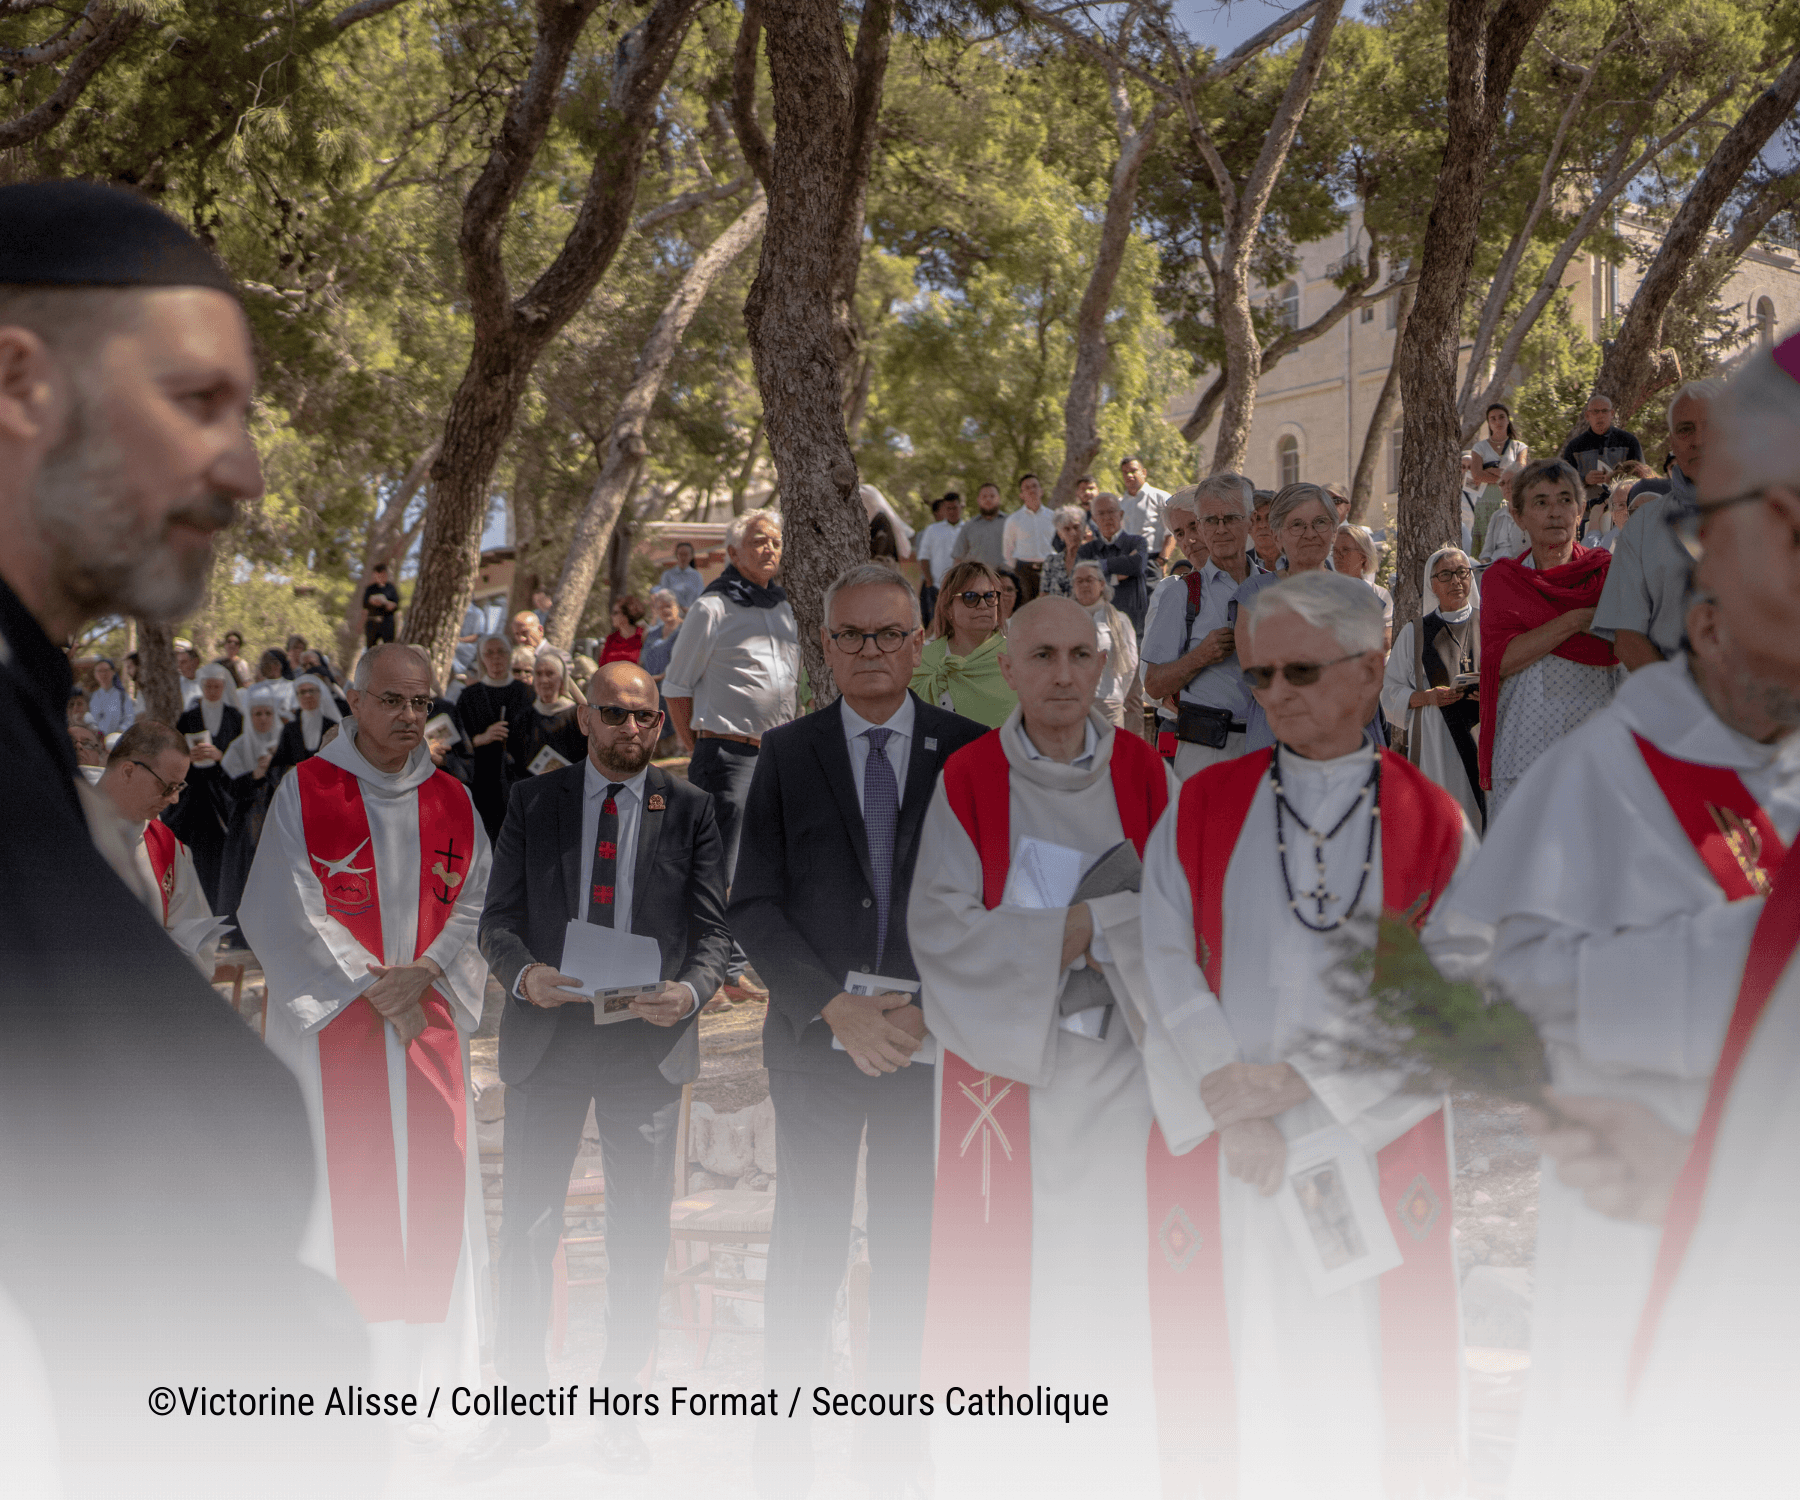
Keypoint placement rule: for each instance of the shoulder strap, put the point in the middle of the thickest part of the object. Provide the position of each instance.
(1726, 825)
(1193, 582)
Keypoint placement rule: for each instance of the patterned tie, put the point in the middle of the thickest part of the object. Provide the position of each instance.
(881, 810)
(606, 861)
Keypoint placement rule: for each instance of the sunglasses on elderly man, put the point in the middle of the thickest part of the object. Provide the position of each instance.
(1298, 673)
(613, 716)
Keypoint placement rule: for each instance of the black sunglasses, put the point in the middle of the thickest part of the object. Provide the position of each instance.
(613, 716)
(975, 600)
(1298, 673)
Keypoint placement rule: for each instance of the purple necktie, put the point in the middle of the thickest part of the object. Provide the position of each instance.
(881, 810)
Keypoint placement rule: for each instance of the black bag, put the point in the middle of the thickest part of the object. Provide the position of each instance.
(1199, 725)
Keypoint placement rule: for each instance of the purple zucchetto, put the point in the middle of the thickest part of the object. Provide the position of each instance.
(84, 234)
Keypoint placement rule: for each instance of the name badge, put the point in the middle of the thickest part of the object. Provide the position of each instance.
(930, 744)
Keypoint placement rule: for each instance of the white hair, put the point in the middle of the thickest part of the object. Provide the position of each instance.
(1293, 496)
(1347, 607)
(366, 662)
(1365, 541)
(1092, 565)
(1069, 515)
(872, 575)
(738, 526)
(1757, 419)
(1183, 500)
(1706, 391)
(1225, 485)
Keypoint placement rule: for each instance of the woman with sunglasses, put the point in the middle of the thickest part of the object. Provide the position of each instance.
(1542, 671)
(1429, 686)
(960, 667)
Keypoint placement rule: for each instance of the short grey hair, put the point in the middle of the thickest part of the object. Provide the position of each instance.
(1347, 607)
(1707, 391)
(1757, 418)
(1070, 515)
(1092, 565)
(1293, 496)
(656, 594)
(1225, 486)
(739, 525)
(1184, 499)
(872, 574)
(488, 640)
(365, 664)
(1600, 396)
(1365, 541)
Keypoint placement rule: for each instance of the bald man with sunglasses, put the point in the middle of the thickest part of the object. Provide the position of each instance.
(619, 842)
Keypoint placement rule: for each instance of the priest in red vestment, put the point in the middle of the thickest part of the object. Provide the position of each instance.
(362, 907)
(1303, 1281)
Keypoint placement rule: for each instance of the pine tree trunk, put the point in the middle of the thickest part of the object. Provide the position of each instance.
(1375, 440)
(159, 679)
(511, 332)
(626, 447)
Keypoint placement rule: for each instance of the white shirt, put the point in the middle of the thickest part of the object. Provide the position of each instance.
(1143, 515)
(898, 747)
(935, 546)
(684, 583)
(740, 665)
(1029, 535)
(1090, 742)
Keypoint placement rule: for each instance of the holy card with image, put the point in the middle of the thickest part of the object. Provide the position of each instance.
(1330, 1205)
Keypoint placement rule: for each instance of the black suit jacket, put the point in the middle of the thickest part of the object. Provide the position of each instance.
(803, 898)
(677, 897)
(1124, 559)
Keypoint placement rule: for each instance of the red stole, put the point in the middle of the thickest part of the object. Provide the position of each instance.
(1421, 1338)
(390, 1279)
(161, 844)
(978, 1321)
(1737, 843)
(1516, 599)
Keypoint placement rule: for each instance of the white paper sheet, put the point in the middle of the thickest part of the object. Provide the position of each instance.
(1043, 877)
(614, 968)
(1330, 1204)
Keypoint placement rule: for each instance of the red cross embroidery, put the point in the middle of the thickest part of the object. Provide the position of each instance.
(609, 851)
(603, 895)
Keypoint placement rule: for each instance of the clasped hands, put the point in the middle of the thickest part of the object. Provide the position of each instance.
(548, 987)
(1242, 1098)
(880, 1032)
(398, 995)
(1620, 1156)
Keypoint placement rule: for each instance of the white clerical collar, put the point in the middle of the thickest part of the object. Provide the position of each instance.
(1453, 616)
(900, 721)
(1293, 763)
(1090, 742)
(594, 785)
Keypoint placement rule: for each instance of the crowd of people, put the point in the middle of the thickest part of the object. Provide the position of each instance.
(1074, 991)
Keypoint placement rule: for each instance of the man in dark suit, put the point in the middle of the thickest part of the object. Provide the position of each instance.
(618, 842)
(830, 834)
(1124, 558)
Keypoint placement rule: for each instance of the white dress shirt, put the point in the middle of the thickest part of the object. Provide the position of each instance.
(629, 804)
(898, 747)
(935, 548)
(739, 664)
(1029, 535)
(1144, 515)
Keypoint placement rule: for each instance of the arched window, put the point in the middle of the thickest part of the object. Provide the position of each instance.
(1287, 305)
(1765, 323)
(1394, 459)
(1287, 459)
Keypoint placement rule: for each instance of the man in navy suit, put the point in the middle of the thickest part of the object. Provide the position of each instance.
(830, 835)
(618, 842)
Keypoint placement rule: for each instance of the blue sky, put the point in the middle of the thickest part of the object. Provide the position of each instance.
(1225, 25)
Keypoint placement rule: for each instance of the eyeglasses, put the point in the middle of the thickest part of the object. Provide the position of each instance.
(394, 703)
(1298, 673)
(1687, 521)
(888, 638)
(1453, 575)
(975, 600)
(523, 674)
(1320, 527)
(169, 788)
(613, 716)
(1224, 521)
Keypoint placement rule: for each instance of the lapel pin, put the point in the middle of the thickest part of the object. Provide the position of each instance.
(656, 803)
(930, 744)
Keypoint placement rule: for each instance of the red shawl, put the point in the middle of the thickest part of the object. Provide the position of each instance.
(1515, 599)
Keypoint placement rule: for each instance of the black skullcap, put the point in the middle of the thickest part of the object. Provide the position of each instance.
(86, 234)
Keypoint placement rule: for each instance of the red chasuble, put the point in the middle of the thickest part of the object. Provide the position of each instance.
(1740, 847)
(391, 1279)
(161, 844)
(978, 1320)
(1420, 1334)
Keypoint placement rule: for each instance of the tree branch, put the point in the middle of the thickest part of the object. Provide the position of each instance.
(362, 11)
(114, 34)
(751, 140)
(685, 202)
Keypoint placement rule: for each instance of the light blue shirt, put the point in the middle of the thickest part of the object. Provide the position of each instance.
(684, 583)
(898, 747)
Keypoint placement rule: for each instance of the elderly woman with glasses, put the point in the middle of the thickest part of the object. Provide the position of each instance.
(1304, 520)
(1429, 690)
(1114, 635)
(1059, 565)
(1542, 671)
(960, 667)
(545, 735)
(1355, 555)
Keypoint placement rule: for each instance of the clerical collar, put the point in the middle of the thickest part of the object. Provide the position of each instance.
(1090, 742)
(1454, 616)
